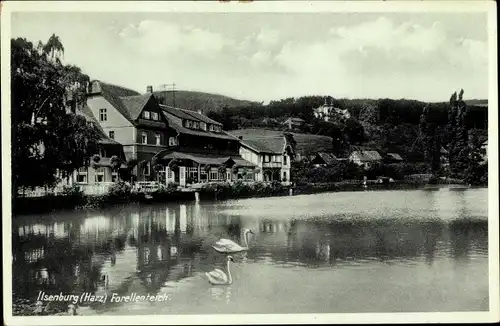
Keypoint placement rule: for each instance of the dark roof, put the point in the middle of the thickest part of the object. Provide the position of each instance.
(181, 129)
(207, 159)
(265, 145)
(135, 104)
(128, 102)
(189, 114)
(112, 94)
(328, 158)
(201, 117)
(176, 112)
(395, 156)
(367, 155)
(273, 139)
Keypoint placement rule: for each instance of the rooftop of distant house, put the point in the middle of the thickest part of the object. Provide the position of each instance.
(272, 141)
(367, 155)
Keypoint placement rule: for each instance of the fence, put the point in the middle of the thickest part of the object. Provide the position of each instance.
(88, 189)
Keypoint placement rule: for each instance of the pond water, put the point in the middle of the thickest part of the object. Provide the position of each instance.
(372, 251)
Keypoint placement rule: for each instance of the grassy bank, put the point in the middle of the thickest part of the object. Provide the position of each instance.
(122, 194)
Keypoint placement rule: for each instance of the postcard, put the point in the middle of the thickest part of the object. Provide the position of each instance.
(249, 162)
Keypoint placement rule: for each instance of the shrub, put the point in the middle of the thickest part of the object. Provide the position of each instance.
(119, 191)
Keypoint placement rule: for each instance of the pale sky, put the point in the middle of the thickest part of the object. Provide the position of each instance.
(269, 56)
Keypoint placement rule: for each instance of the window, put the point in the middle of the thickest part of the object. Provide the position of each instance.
(154, 116)
(102, 152)
(147, 168)
(284, 176)
(284, 160)
(196, 125)
(169, 174)
(190, 123)
(218, 128)
(103, 115)
(82, 175)
(99, 174)
(145, 115)
(158, 139)
(171, 141)
(114, 176)
(111, 134)
(144, 138)
(203, 126)
(214, 174)
(211, 127)
(185, 123)
(267, 158)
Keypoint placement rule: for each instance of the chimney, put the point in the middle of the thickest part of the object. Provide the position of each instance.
(199, 111)
(149, 89)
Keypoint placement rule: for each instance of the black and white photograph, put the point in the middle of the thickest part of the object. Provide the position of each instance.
(213, 162)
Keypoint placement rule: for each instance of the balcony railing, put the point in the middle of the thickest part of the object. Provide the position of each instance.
(272, 164)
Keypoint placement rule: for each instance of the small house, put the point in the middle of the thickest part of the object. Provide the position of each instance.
(323, 159)
(365, 158)
(294, 122)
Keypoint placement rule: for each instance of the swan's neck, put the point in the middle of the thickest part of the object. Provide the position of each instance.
(230, 280)
(246, 238)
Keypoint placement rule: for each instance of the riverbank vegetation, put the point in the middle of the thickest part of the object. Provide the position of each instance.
(50, 140)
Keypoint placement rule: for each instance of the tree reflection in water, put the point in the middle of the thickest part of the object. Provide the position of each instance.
(145, 249)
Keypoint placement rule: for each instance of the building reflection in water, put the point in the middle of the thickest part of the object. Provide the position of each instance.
(149, 247)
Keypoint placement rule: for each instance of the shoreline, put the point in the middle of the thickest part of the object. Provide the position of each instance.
(215, 192)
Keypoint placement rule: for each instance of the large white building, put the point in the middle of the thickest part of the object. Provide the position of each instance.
(328, 112)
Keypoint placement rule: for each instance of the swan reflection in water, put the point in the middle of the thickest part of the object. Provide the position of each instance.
(221, 293)
(229, 246)
(219, 277)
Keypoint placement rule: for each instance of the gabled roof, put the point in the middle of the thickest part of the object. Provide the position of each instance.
(89, 116)
(273, 145)
(128, 102)
(328, 158)
(135, 104)
(306, 143)
(395, 156)
(367, 155)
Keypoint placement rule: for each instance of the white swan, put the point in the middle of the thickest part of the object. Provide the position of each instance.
(218, 277)
(229, 246)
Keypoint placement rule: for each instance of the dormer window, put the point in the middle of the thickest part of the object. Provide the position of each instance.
(190, 124)
(203, 126)
(154, 115)
(146, 115)
(196, 125)
(103, 115)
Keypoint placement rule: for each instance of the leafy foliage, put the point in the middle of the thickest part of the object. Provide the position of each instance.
(46, 138)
